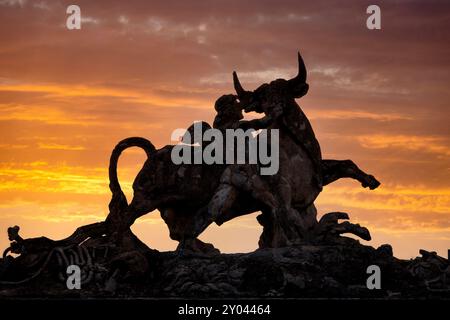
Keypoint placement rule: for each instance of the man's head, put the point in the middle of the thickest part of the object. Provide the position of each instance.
(228, 107)
(278, 92)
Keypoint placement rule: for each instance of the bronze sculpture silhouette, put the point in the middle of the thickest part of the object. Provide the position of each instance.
(189, 205)
(223, 192)
(192, 196)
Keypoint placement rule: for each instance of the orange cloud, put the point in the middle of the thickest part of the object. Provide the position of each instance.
(56, 90)
(356, 114)
(47, 114)
(54, 179)
(392, 198)
(432, 144)
(55, 146)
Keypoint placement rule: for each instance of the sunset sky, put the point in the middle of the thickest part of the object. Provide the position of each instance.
(144, 68)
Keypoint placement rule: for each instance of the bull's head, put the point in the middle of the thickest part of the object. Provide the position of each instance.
(276, 93)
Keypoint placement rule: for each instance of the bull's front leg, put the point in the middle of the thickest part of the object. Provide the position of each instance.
(337, 169)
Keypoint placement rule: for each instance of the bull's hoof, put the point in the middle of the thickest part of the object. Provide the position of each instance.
(371, 182)
(196, 246)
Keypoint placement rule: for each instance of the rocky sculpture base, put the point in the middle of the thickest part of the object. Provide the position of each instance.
(303, 271)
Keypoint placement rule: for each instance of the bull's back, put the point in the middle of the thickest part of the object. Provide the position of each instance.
(160, 178)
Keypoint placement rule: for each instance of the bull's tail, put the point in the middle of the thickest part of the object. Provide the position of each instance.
(118, 204)
(142, 143)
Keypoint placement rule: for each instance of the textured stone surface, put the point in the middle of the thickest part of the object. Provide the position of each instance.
(299, 271)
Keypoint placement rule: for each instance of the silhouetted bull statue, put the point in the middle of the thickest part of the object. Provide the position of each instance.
(192, 196)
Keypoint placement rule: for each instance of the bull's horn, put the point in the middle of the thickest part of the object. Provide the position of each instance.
(237, 85)
(301, 76)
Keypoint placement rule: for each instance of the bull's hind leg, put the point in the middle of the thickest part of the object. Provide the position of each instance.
(337, 169)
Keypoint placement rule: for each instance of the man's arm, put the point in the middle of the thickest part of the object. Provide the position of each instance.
(256, 124)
